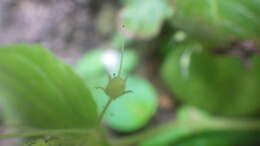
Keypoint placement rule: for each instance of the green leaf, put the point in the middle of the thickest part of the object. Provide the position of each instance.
(216, 21)
(197, 128)
(144, 18)
(223, 138)
(211, 82)
(134, 110)
(37, 90)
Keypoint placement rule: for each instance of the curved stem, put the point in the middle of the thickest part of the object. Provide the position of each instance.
(104, 111)
(99, 127)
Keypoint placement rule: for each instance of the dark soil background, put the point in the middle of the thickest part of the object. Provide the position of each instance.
(68, 27)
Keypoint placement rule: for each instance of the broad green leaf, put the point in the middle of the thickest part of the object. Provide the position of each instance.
(217, 21)
(144, 18)
(134, 110)
(37, 90)
(223, 138)
(197, 128)
(212, 82)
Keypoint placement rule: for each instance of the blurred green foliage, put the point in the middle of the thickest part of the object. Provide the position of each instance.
(39, 142)
(224, 138)
(212, 82)
(218, 21)
(222, 84)
(95, 64)
(143, 19)
(39, 91)
(197, 128)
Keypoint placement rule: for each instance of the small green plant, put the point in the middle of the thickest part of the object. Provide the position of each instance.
(115, 87)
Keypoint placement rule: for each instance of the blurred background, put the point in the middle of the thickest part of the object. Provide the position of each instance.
(201, 54)
(69, 28)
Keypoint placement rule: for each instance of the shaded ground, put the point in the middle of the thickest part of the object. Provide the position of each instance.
(68, 27)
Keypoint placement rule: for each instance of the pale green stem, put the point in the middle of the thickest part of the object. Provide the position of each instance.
(99, 128)
(121, 59)
(104, 111)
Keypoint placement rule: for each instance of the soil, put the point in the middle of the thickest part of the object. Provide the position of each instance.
(67, 27)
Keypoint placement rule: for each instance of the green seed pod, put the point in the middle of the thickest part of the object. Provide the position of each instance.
(116, 85)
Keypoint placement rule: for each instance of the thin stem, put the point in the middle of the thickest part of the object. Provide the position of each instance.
(121, 59)
(104, 110)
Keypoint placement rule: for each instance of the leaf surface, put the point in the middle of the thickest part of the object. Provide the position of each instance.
(37, 90)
